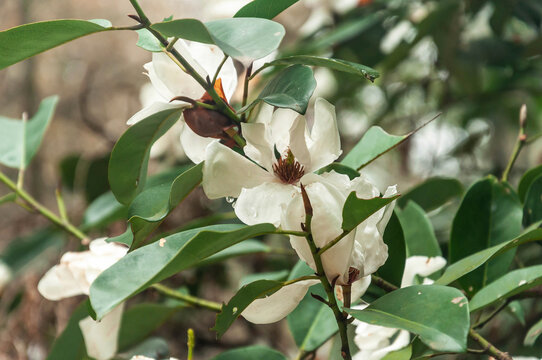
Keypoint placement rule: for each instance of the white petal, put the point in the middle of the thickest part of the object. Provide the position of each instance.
(388, 210)
(226, 173)
(59, 283)
(153, 109)
(259, 147)
(280, 125)
(421, 265)
(359, 287)
(193, 145)
(402, 340)
(265, 113)
(101, 337)
(325, 146)
(264, 203)
(5, 275)
(298, 144)
(371, 244)
(276, 306)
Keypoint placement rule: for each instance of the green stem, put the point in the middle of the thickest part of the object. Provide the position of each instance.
(520, 142)
(332, 243)
(219, 68)
(488, 347)
(191, 343)
(189, 299)
(64, 224)
(383, 284)
(290, 232)
(483, 322)
(245, 90)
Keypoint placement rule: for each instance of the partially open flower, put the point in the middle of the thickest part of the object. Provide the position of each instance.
(73, 276)
(284, 154)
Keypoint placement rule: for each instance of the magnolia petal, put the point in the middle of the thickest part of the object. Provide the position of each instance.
(390, 191)
(158, 85)
(276, 306)
(402, 340)
(265, 114)
(101, 337)
(359, 287)
(370, 243)
(280, 125)
(226, 173)
(421, 265)
(153, 109)
(298, 144)
(259, 147)
(193, 145)
(59, 283)
(325, 144)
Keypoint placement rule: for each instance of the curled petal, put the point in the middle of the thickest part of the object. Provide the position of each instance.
(101, 337)
(59, 283)
(153, 109)
(325, 144)
(279, 304)
(226, 173)
(298, 144)
(259, 147)
(421, 265)
(264, 203)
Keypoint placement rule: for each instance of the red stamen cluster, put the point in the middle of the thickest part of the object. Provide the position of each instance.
(288, 170)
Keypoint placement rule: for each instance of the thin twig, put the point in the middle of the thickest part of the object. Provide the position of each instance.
(520, 142)
(488, 348)
(245, 90)
(189, 299)
(219, 68)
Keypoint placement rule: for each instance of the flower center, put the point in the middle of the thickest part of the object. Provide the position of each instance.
(288, 169)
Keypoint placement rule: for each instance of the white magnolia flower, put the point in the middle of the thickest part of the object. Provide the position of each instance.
(73, 276)
(349, 262)
(264, 186)
(375, 341)
(170, 81)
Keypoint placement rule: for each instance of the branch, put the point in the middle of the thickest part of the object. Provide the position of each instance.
(189, 299)
(488, 347)
(520, 142)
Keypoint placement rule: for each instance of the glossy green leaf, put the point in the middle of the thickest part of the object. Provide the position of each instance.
(341, 169)
(506, 286)
(154, 204)
(241, 38)
(489, 214)
(403, 354)
(19, 140)
(153, 347)
(264, 9)
(474, 261)
(70, 345)
(333, 64)
(439, 315)
(419, 234)
(311, 323)
(27, 40)
(147, 41)
(526, 181)
(517, 311)
(125, 238)
(373, 144)
(532, 335)
(432, 193)
(130, 156)
(271, 275)
(239, 302)
(394, 237)
(246, 247)
(103, 211)
(157, 261)
(356, 210)
(291, 88)
(532, 208)
(250, 353)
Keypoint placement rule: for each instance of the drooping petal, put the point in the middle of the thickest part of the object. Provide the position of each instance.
(101, 336)
(421, 265)
(279, 304)
(226, 173)
(193, 145)
(259, 147)
(153, 109)
(59, 283)
(325, 142)
(264, 203)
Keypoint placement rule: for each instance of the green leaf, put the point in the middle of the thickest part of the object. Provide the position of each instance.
(103, 211)
(333, 64)
(157, 261)
(152, 347)
(403, 354)
(20, 141)
(250, 353)
(154, 204)
(419, 234)
(125, 238)
(291, 88)
(141, 320)
(373, 144)
(239, 302)
(341, 169)
(356, 210)
(532, 209)
(533, 334)
(439, 315)
(474, 261)
(130, 156)
(271, 275)
(241, 38)
(506, 286)
(311, 323)
(27, 40)
(489, 214)
(432, 193)
(394, 237)
(527, 179)
(70, 345)
(147, 41)
(247, 247)
(264, 9)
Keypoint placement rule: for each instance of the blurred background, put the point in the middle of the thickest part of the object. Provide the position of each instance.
(475, 62)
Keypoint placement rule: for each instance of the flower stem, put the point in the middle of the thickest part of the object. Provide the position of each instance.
(383, 284)
(62, 223)
(189, 299)
(332, 243)
(488, 348)
(520, 142)
(191, 343)
(219, 68)
(245, 90)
